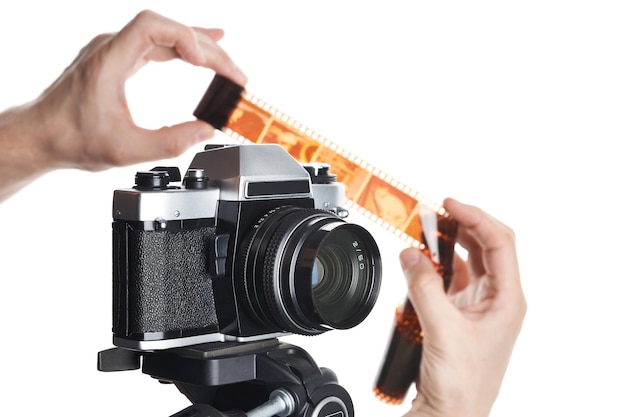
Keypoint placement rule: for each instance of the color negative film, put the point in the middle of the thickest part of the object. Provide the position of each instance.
(386, 201)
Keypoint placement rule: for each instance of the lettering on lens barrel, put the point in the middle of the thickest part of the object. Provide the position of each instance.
(251, 245)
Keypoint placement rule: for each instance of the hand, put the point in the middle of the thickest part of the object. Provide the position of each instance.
(82, 120)
(470, 332)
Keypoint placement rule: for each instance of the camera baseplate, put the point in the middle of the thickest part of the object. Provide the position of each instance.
(253, 379)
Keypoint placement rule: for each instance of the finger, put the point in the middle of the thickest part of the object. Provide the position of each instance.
(149, 33)
(215, 57)
(460, 275)
(164, 143)
(215, 34)
(495, 241)
(474, 252)
(425, 288)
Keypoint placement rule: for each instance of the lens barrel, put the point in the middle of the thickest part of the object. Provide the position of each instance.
(306, 271)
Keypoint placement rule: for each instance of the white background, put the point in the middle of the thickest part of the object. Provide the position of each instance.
(517, 107)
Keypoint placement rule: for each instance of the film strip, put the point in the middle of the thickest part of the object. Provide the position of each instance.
(386, 201)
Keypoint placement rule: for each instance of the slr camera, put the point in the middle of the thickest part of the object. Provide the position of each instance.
(248, 245)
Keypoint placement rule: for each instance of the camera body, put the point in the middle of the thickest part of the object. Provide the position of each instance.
(252, 245)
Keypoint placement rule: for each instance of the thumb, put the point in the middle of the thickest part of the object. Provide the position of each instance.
(425, 287)
(170, 141)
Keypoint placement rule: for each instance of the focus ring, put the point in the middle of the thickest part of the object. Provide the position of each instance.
(272, 277)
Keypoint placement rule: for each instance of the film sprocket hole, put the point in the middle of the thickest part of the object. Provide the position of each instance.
(208, 273)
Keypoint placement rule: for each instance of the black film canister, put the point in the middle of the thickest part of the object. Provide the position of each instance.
(219, 101)
(400, 367)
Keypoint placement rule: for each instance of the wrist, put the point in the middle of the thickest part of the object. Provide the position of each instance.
(421, 407)
(30, 136)
(24, 155)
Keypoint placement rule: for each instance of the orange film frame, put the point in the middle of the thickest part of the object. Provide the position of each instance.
(374, 194)
(379, 197)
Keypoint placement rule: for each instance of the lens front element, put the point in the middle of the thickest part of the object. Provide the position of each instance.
(340, 280)
(309, 271)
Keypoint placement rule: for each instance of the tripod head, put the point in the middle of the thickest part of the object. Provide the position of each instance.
(234, 379)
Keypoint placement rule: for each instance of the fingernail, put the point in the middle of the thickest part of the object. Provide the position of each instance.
(242, 76)
(409, 257)
(206, 132)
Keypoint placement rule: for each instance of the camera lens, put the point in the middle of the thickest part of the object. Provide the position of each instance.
(338, 285)
(307, 271)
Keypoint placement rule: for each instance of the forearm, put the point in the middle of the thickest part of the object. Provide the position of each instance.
(82, 120)
(24, 154)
